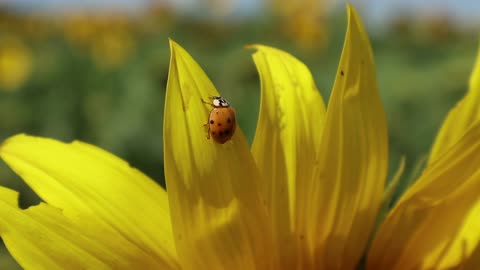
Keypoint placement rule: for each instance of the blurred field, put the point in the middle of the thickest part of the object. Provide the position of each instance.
(101, 78)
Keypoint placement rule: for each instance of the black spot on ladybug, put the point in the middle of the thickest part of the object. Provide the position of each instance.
(220, 134)
(219, 124)
(229, 120)
(341, 72)
(213, 133)
(217, 112)
(211, 122)
(227, 131)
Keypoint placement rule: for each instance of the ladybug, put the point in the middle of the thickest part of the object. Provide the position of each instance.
(221, 121)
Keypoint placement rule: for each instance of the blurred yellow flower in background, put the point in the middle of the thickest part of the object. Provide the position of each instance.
(79, 29)
(15, 63)
(304, 21)
(112, 48)
(305, 196)
(109, 39)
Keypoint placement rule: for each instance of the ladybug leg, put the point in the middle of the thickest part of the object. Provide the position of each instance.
(207, 126)
(206, 102)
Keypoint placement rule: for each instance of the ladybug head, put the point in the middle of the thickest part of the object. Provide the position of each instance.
(218, 101)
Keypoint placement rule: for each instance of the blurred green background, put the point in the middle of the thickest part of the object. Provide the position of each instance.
(97, 72)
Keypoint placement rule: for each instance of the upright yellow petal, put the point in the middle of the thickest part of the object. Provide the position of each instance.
(41, 237)
(84, 180)
(460, 118)
(435, 223)
(219, 220)
(352, 164)
(286, 141)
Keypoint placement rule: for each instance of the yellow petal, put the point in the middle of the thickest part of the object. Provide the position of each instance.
(435, 224)
(219, 221)
(84, 180)
(389, 192)
(392, 186)
(41, 237)
(460, 118)
(286, 140)
(353, 158)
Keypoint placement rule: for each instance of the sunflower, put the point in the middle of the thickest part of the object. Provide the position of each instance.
(305, 195)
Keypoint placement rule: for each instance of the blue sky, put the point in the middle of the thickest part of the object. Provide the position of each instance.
(463, 11)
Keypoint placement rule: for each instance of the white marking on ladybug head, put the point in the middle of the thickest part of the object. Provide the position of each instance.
(220, 102)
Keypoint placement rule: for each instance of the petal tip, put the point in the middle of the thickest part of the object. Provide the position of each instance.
(352, 16)
(172, 42)
(251, 46)
(350, 10)
(9, 196)
(349, 7)
(256, 47)
(174, 46)
(11, 140)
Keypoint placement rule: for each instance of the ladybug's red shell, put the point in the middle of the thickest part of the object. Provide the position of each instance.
(221, 124)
